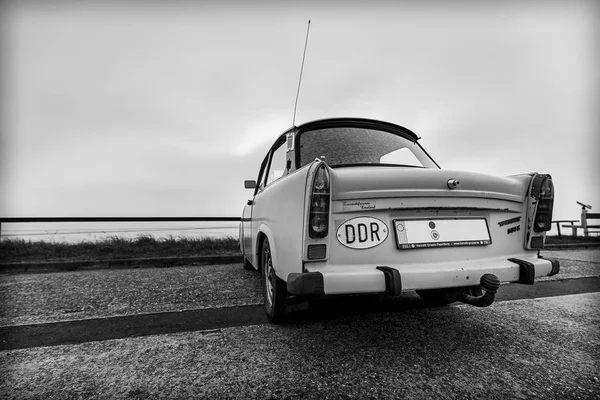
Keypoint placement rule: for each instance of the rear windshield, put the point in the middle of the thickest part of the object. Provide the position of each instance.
(349, 146)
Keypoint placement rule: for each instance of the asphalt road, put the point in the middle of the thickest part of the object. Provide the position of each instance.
(540, 341)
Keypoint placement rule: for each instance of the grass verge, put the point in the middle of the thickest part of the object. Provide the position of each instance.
(146, 246)
(20, 250)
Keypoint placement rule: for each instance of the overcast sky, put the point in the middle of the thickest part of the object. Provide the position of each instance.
(163, 109)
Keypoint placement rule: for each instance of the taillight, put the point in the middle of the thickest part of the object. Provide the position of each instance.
(318, 220)
(543, 189)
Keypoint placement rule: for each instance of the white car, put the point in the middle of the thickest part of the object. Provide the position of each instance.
(356, 206)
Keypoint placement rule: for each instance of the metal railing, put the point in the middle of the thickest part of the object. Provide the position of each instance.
(115, 219)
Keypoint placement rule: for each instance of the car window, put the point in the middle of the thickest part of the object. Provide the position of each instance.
(353, 145)
(260, 182)
(401, 156)
(277, 164)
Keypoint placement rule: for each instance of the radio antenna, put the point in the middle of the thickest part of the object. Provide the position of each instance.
(301, 69)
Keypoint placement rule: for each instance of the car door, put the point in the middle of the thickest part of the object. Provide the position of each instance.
(274, 169)
(247, 230)
(247, 235)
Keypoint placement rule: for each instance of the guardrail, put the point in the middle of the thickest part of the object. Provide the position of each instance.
(115, 219)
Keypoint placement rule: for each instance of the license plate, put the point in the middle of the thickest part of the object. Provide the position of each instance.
(443, 232)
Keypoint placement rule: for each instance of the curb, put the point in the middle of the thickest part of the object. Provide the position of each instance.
(158, 262)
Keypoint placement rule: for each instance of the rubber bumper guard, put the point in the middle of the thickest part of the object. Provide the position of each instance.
(555, 265)
(393, 281)
(526, 271)
(306, 284)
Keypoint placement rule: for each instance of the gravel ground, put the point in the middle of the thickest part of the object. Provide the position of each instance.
(589, 255)
(527, 349)
(63, 296)
(574, 263)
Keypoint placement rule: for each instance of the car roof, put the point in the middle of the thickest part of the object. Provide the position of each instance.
(356, 122)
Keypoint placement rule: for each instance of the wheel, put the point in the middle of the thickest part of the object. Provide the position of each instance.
(439, 297)
(246, 264)
(274, 289)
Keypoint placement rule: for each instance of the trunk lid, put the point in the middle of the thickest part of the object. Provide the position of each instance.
(372, 182)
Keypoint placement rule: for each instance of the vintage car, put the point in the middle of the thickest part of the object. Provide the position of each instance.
(347, 206)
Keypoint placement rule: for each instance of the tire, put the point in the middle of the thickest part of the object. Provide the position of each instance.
(437, 297)
(274, 289)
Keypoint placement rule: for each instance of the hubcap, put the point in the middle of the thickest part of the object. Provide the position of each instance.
(268, 272)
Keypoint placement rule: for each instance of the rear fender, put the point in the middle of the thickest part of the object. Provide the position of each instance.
(263, 229)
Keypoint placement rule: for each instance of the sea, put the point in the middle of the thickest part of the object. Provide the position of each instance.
(74, 232)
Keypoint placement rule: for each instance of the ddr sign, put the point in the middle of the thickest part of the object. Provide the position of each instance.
(362, 232)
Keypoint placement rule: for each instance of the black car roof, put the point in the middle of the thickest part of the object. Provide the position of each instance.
(356, 122)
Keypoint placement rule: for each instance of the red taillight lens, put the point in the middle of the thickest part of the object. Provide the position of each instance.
(543, 213)
(318, 222)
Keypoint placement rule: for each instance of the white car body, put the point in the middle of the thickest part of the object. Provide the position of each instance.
(390, 228)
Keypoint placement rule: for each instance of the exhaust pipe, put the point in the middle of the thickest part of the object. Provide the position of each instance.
(489, 283)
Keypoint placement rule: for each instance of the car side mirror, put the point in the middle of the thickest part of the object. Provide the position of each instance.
(250, 184)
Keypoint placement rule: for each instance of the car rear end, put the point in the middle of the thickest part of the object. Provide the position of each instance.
(381, 216)
(382, 229)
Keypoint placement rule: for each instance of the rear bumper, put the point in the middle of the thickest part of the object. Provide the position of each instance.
(325, 279)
